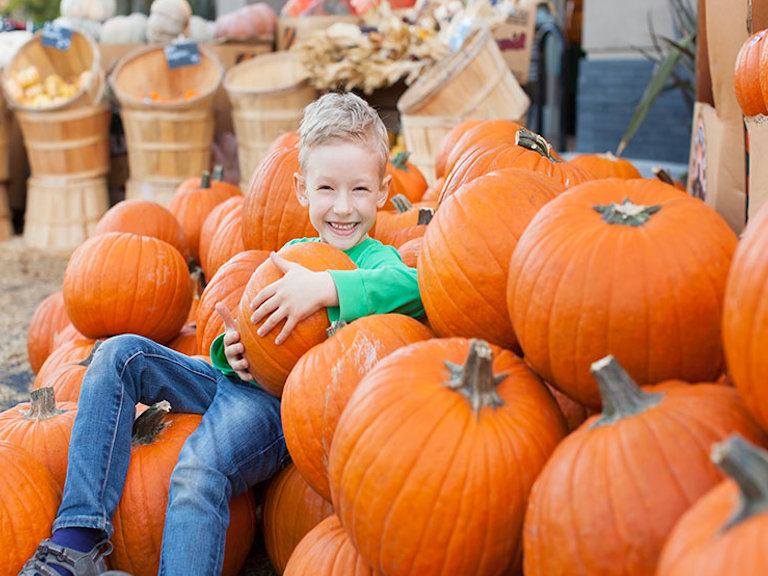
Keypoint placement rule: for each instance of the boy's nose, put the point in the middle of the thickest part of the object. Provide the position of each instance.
(343, 203)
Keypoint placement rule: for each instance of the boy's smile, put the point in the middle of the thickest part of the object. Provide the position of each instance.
(343, 188)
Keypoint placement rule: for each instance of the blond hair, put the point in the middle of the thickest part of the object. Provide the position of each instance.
(345, 117)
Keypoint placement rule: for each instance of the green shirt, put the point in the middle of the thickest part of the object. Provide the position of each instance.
(381, 283)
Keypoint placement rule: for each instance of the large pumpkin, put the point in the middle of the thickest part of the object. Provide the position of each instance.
(138, 522)
(269, 363)
(272, 214)
(633, 268)
(464, 261)
(119, 282)
(612, 491)
(745, 317)
(221, 236)
(49, 319)
(291, 508)
(435, 454)
(726, 531)
(448, 142)
(319, 386)
(64, 369)
(29, 498)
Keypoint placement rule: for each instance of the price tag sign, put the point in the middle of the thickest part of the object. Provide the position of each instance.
(182, 54)
(56, 36)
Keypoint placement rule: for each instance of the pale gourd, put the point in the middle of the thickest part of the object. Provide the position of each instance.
(200, 29)
(251, 21)
(98, 10)
(167, 20)
(131, 29)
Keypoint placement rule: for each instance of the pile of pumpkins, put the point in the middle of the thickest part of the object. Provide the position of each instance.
(563, 408)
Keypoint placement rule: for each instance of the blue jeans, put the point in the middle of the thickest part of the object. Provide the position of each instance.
(238, 444)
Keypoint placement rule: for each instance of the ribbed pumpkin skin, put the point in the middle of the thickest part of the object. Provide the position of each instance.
(291, 509)
(421, 483)
(745, 317)
(46, 438)
(487, 130)
(396, 228)
(140, 516)
(272, 214)
(30, 499)
(464, 261)
(118, 283)
(749, 77)
(145, 218)
(606, 166)
(227, 286)
(407, 179)
(327, 551)
(449, 142)
(64, 369)
(319, 386)
(269, 364)
(651, 295)
(409, 251)
(49, 319)
(609, 496)
(222, 235)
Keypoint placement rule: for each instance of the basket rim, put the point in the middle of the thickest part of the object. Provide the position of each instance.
(443, 72)
(95, 69)
(259, 59)
(127, 100)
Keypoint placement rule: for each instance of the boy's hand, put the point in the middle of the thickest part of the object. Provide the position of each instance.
(233, 348)
(297, 295)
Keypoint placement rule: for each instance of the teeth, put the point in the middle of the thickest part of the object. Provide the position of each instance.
(343, 226)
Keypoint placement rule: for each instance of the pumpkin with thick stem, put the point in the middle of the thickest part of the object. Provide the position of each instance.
(119, 282)
(49, 319)
(405, 222)
(745, 317)
(634, 268)
(158, 436)
(614, 488)
(435, 454)
(221, 236)
(726, 531)
(464, 261)
(269, 363)
(42, 427)
(30, 498)
(326, 550)
(486, 131)
(319, 386)
(407, 179)
(290, 509)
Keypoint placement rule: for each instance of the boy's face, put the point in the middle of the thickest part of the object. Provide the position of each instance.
(343, 188)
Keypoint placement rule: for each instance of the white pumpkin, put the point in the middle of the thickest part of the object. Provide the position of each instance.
(200, 29)
(98, 10)
(131, 29)
(10, 42)
(167, 20)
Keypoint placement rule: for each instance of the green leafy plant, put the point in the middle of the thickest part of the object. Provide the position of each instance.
(39, 11)
(674, 60)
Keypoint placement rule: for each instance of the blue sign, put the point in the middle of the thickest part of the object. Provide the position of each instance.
(182, 54)
(57, 36)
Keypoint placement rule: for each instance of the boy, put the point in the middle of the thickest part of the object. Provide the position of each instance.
(239, 442)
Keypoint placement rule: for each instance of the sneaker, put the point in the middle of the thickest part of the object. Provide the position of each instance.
(78, 563)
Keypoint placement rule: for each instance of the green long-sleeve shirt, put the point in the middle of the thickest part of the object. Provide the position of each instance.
(381, 283)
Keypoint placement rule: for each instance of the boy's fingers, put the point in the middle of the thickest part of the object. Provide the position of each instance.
(280, 262)
(226, 316)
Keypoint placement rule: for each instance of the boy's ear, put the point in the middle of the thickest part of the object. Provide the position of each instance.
(383, 195)
(301, 189)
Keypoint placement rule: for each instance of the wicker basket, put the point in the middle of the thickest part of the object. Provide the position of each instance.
(473, 83)
(83, 54)
(166, 140)
(268, 95)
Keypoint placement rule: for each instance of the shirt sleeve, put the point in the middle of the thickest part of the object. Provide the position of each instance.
(218, 358)
(382, 283)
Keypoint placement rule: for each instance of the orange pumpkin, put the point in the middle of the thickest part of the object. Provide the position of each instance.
(286, 139)
(435, 454)
(186, 340)
(750, 77)
(49, 319)
(448, 142)
(42, 427)
(606, 165)
(487, 130)
(221, 236)
(626, 482)
(634, 268)
(119, 283)
(138, 522)
(405, 222)
(291, 509)
(64, 369)
(407, 179)
(269, 364)
(745, 317)
(409, 251)
(464, 261)
(319, 386)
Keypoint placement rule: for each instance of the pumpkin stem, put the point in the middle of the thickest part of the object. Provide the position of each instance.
(205, 179)
(149, 423)
(88, 359)
(42, 405)
(400, 160)
(335, 327)
(535, 142)
(663, 175)
(748, 466)
(218, 173)
(621, 396)
(425, 216)
(475, 380)
(626, 213)
(401, 203)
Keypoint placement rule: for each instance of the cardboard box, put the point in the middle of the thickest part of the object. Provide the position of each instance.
(514, 38)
